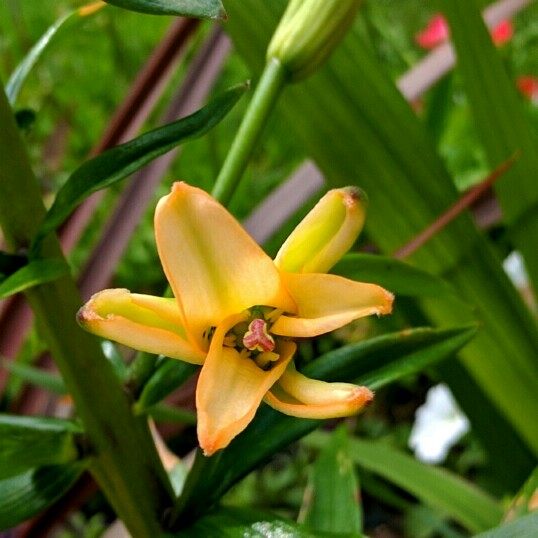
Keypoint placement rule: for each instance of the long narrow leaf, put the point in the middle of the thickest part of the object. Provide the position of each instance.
(35, 273)
(18, 76)
(331, 499)
(28, 442)
(36, 376)
(25, 495)
(399, 277)
(464, 502)
(119, 162)
(203, 9)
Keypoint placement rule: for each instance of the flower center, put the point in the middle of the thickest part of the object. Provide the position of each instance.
(252, 338)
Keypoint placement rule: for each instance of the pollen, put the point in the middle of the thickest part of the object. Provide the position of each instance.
(257, 338)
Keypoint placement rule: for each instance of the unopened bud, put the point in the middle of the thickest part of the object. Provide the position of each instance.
(325, 234)
(308, 32)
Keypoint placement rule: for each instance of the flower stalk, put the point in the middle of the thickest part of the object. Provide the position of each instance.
(268, 90)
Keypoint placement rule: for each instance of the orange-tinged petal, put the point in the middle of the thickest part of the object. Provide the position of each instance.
(328, 302)
(231, 388)
(214, 267)
(142, 322)
(325, 234)
(299, 396)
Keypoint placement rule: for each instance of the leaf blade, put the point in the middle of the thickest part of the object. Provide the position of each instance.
(203, 9)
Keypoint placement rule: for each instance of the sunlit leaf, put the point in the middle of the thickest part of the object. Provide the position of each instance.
(25, 495)
(29, 442)
(36, 272)
(381, 359)
(436, 487)
(203, 9)
(119, 162)
(331, 499)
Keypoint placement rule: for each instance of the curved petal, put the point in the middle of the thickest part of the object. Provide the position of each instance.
(298, 396)
(230, 389)
(142, 322)
(328, 302)
(214, 267)
(325, 234)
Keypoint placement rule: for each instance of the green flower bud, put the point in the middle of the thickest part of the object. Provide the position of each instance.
(308, 32)
(325, 234)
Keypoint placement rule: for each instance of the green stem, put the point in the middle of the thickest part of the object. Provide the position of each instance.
(271, 84)
(125, 462)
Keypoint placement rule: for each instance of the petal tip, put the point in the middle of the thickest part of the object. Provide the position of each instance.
(362, 397)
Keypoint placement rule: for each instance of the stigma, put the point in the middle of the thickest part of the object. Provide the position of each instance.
(257, 338)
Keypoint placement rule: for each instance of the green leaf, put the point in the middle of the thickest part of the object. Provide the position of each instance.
(270, 431)
(234, 522)
(399, 277)
(18, 76)
(168, 376)
(379, 361)
(29, 442)
(202, 9)
(524, 527)
(35, 273)
(25, 495)
(434, 486)
(331, 499)
(117, 163)
(36, 376)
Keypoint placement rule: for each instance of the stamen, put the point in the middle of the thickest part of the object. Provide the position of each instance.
(272, 316)
(265, 359)
(257, 338)
(230, 340)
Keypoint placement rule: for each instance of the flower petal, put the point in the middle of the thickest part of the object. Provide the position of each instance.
(328, 302)
(142, 322)
(299, 396)
(230, 389)
(325, 234)
(214, 267)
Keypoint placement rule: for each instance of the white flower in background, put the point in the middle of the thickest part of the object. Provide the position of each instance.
(439, 425)
(515, 268)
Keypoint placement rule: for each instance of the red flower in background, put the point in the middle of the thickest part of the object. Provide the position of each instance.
(437, 32)
(528, 86)
(502, 33)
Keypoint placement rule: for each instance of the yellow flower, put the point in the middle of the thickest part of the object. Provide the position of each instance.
(236, 312)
